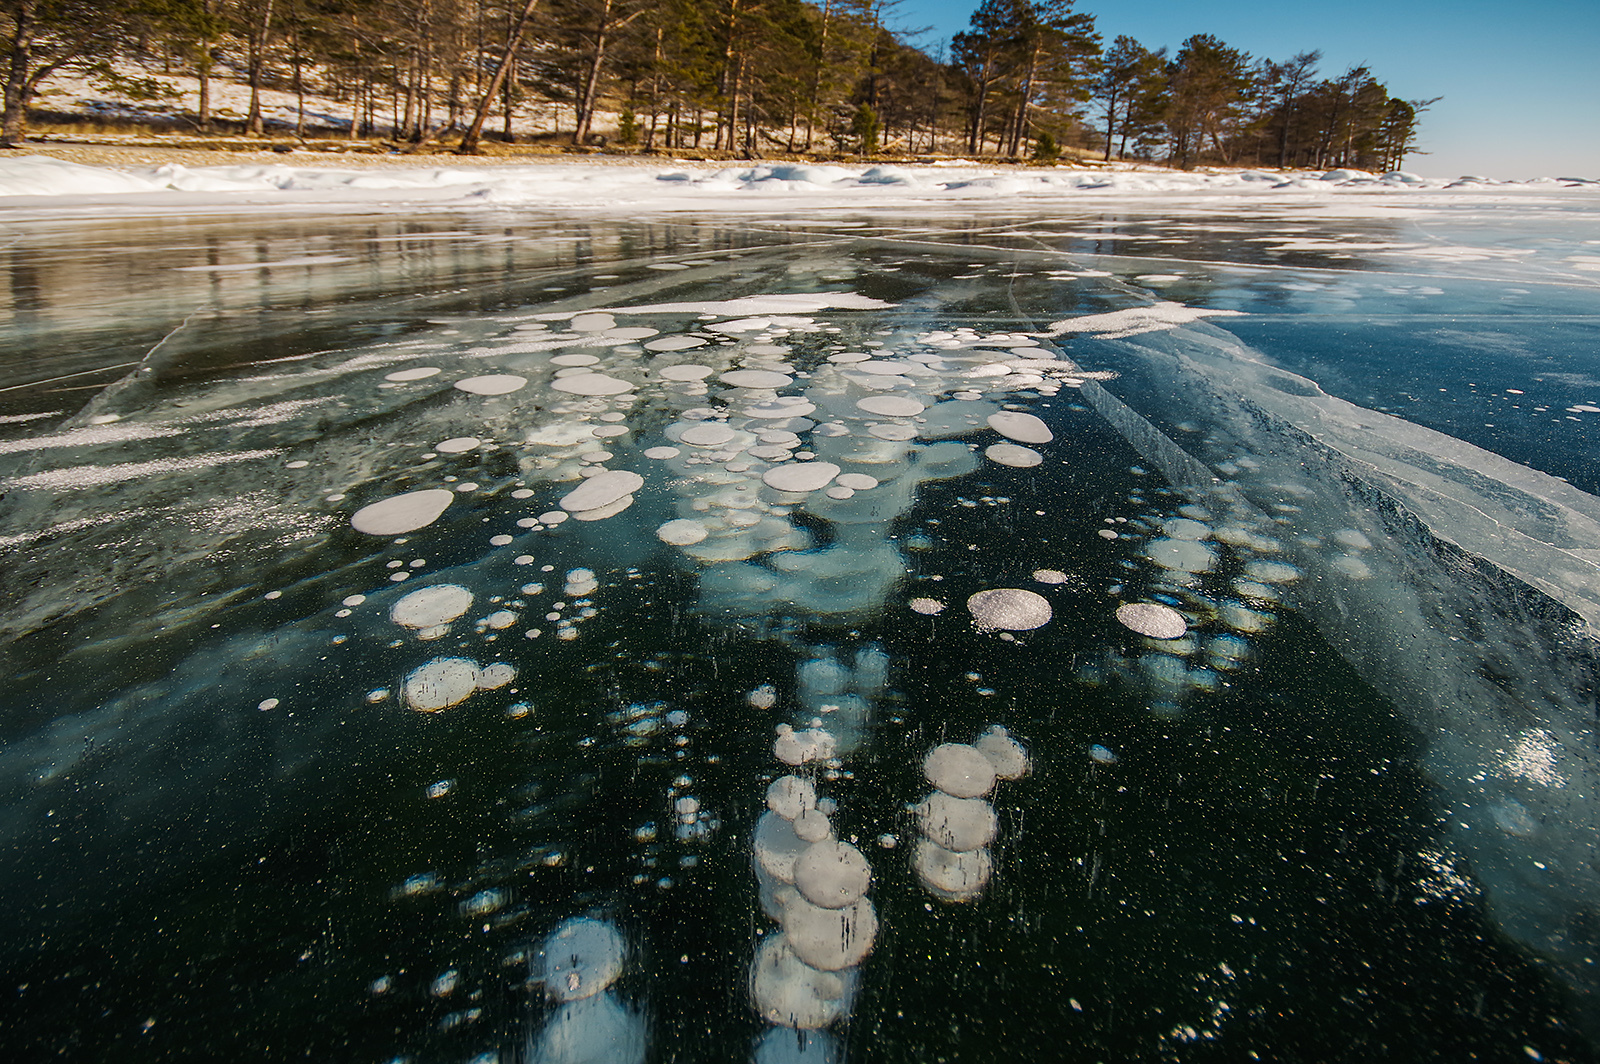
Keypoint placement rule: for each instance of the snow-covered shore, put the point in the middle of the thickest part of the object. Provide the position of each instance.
(35, 182)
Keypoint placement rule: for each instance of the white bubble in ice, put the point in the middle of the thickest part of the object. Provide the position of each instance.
(789, 993)
(927, 606)
(440, 683)
(856, 481)
(402, 513)
(779, 407)
(1050, 576)
(593, 322)
(1023, 428)
(1009, 757)
(1349, 537)
(756, 378)
(1181, 555)
(457, 445)
(591, 384)
(268, 703)
(1351, 566)
(957, 823)
(493, 677)
(662, 453)
(1270, 572)
(428, 607)
(492, 384)
(1152, 619)
(830, 939)
(420, 373)
(891, 405)
(1010, 609)
(800, 476)
(892, 433)
(601, 490)
(707, 434)
(809, 744)
(959, 770)
(675, 343)
(775, 846)
(763, 697)
(681, 533)
(832, 874)
(1013, 455)
(789, 796)
(950, 874)
(1185, 528)
(579, 959)
(812, 825)
(688, 371)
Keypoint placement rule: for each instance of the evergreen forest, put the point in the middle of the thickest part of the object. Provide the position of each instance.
(1026, 80)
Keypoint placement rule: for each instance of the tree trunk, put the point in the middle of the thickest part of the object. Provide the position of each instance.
(14, 121)
(591, 80)
(258, 60)
(469, 142)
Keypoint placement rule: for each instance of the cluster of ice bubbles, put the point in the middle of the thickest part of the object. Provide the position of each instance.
(1205, 587)
(578, 965)
(956, 821)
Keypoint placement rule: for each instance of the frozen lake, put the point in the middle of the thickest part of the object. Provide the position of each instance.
(483, 635)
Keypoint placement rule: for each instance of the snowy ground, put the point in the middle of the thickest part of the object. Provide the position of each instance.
(37, 182)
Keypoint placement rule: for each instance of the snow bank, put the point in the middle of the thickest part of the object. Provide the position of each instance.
(674, 187)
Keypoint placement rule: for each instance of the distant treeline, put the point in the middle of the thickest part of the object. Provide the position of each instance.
(745, 77)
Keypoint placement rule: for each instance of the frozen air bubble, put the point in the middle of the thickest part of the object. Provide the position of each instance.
(1014, 455)
(832, 874)
(788, 993)
(1270, 572)
(1021, 427)
(402, 513)
(676, 343)
(891, 405)
(959, 770)
(492, 384)
(756, 378)
(1009, 757)
(428, 607)
(1049, 576)
(1152, 619)
(800, 477)
(682, 533)
(830, 939)
(594, 384)
(684, 372)
(957, 824)
(440, 683)
(579, 959)
(949, 874)
(457, 445)
(926, 606)
(1009, 609)
(420, 373)
(601, 491)
(789, 796)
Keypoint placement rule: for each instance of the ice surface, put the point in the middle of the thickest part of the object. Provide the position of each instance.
(477, 715)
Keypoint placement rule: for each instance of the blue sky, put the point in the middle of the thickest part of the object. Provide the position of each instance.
(1520, 81)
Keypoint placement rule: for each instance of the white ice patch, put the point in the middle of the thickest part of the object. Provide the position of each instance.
(457, 445)
(1119, 324)
(601, 491)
